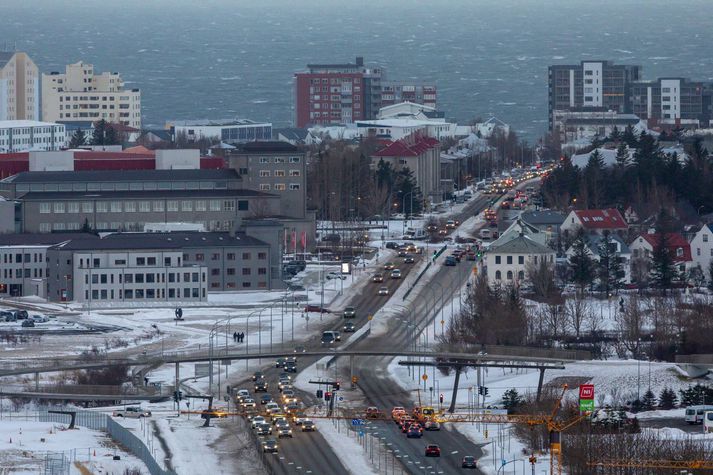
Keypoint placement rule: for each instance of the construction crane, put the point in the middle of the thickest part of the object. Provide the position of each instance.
(665, 464)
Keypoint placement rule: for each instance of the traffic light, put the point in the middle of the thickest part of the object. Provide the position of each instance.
(327, 396)
(480, 390)
(337, 386)
(177, 395)
(320, 394)
(440, 398)
(485, 391)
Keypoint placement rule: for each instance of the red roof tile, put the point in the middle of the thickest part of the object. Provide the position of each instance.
(601, 218)
(675, 241)
(411, 146)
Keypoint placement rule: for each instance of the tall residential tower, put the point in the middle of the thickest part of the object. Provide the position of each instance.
(19, 87)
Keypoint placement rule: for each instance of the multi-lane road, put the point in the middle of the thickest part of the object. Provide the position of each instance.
(310, 453)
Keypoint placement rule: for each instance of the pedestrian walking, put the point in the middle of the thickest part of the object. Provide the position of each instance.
(242, 337)
(235, 336)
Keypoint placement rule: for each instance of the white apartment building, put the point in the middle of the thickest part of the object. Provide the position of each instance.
(24, 135)
(81, 95)
(507, 263)
(19, 87)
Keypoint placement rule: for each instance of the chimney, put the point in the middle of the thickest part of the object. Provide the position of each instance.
(360, 60)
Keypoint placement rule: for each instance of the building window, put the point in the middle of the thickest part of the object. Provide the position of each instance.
(187, 206)
(294, 186)
(201, 205)
(521, 275)
(497, 259)
(243, 205)
(262, 271)
(279, 173)
(230, 271)
(45, 208)
(228, 205)
(58, 207)
(279, 187)
(705, 238)
(200, 257)
(158, 206)
(102, 206)
(246, 256)
(115, 206)
(521, 260)
(264, 187)
(130, 206)
(87, 207)
(264, 173)
(246, 284)
(246, 271)
(264, 160)
(215, 205)
(172, 205)
(140, 261)
(679, 252)
(231, 256)
(509, 275)
(508, 259)
(144, 206)
(498, 275)
(294, 173)
(73, 207)
(294, 159)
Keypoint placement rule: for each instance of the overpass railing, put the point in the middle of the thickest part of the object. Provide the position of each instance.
(695, 359)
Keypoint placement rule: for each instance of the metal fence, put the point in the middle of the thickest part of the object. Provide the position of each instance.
(99, 421)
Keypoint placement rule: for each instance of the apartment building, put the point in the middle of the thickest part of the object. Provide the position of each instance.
(80, 94)
(24, 135)
(590, 86)
(672, 101)
(19, 87)
(506, 264)
(396, 92)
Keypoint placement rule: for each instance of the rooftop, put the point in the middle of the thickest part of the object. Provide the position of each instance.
(267, 147)
(7, 124)
(521, 245)
(214, 122)
(132, 194)
(168, 240)
(546, 216)
(48, 239)
(601, 218)
(125, 175)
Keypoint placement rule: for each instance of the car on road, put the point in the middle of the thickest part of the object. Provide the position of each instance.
(335, 275)
(349, 312)
(397, 412)
(284, 432)
(383, 291)
(40, 319)
(308, 426)
(349, 327)
(270, 445)
(392, 245)
(263, 429)
(328, 338)
(300, 349)
(272, 407)
(450, 224)
(377, 278)
(442, 232)
(280, 362)
(28, 323)
(450, 261)
(402, 252)
(248, 402)
(287, 393)
(373, 412)
(257, 420)
(242, 394)
(414, 432)
(396, 274)
(291, 366)
(283, 382)
(132, 412)
(292, 407)
(298, 418)
(261, 386)
(455, 256)
(432, 425)
(265, 398)
(389, 266)
(214, 413)
(409, 259)
(469, 462)
(433, 450)
(257, 375)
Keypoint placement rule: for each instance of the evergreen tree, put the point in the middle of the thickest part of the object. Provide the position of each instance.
(594, 176)
(408, 192)
(85, 226)
(580, 263)
(622, 156)
(511, 399)
(710, 275)
(648, 402)
(667, 399)
(78, 139)
(663, 267)
(609, 267)
(104, 134)
(696, 395)
(596, 141)
(615, 134)
(629, 137)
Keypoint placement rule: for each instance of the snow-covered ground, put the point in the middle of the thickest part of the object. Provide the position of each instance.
(24, 445)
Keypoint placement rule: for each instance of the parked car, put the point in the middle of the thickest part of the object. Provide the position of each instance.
(28, 323)
(335, 275)
(133, 412)
(9, 316)
(40, 319)
(316, 308)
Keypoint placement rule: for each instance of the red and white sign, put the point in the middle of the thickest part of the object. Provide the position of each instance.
(586, 391)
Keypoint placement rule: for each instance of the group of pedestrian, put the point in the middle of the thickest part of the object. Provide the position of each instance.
(238, 337)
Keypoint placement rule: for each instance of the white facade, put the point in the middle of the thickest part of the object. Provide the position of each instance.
(406, 109)
(593, 84)
(23, 271)
(19, 87)
(80, 95)
(507, 264)
(702, 249)
(398, 128)
(228, 131)
(24, 135)
(136, 276)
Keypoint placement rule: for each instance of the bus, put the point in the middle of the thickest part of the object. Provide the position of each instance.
(694, 414)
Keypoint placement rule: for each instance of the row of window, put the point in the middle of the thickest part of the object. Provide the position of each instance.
(520, 259)
(279, 187)
(233, 285)
(520, 275)
(230, 256)
(18, 257)
(23, 273)
(125, 186)
(278, 173)
(136, 226)
(141, 294)
(59, 207)
(145, 278)
(280, 159)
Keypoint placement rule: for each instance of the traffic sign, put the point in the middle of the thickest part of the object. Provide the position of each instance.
(340, 398)
(361, 433)
(586, 391)
(424, 377)
(357, 422)
(370, 317)
(586, 405)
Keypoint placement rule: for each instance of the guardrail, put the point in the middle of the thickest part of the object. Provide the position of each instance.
(418, 277)
(705, 359)
(518, 351)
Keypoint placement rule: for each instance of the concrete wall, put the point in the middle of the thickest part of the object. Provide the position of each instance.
(7, 216)
(51, 161)
(183, 159)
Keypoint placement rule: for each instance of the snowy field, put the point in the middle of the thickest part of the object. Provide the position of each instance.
(24, 445)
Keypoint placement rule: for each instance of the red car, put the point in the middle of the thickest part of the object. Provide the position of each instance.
(316, 308)
(432, 450)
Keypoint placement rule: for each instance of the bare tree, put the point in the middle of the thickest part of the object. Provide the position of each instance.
(631, 320)
(542, 277)
(579, 313)
(555, 320)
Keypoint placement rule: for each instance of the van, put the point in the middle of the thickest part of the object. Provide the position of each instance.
(708, 422)
(694, 414)
(485, 233)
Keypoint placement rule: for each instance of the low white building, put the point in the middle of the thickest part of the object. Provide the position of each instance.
(506, 264)
(702, 249)
(24, 135)
(397, 128)
(230, 131)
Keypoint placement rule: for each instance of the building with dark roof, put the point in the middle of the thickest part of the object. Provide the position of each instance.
(506, 263)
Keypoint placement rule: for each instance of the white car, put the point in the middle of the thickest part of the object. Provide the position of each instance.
(257, 420)
(242, 394)
(132, 412)
(383, 291)
(396, 274)
(248, 402)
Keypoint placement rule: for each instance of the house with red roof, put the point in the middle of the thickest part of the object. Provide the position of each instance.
(421, 155)
(595, 221)
(679, 248)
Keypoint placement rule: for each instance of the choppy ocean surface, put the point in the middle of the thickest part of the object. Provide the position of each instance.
(226, 58)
